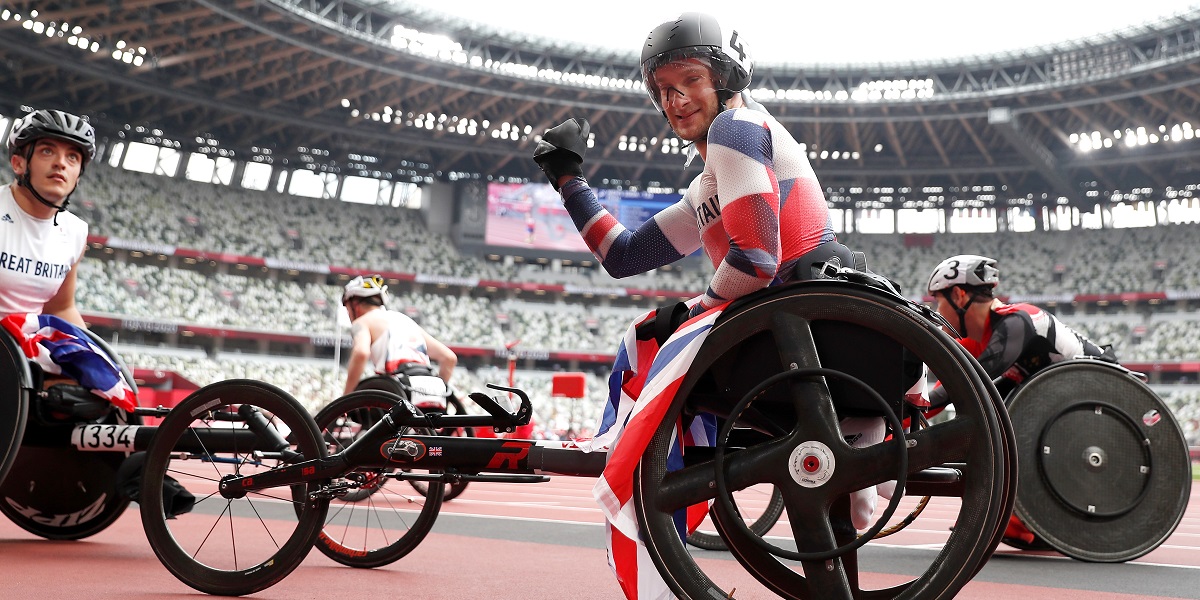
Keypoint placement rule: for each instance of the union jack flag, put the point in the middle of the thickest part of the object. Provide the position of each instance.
(435, 450)
(641, 388)
(60, 348)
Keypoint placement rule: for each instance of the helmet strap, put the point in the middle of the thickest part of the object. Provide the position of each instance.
(24, 181)
(962, 318)
(723, 96)
(961, 311)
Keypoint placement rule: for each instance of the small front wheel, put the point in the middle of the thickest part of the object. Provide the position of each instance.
(225, 546)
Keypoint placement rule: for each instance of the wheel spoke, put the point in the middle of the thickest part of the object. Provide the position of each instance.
(763, 463)
(863, 467)
(374, 524)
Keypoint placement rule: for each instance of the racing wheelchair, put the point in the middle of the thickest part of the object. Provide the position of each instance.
(778, 369)
(49, 484)
(1103, 474)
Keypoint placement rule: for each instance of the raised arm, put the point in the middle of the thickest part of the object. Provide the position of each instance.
(667, 237)
(664, 239)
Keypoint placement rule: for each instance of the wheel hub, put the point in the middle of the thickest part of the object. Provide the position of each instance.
(811, 464)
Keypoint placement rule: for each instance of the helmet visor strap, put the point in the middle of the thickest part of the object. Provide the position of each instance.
(26, 181)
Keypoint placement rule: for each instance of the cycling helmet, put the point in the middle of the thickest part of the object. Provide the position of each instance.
(964, 269)
(365, 287)
(53, 124)
(697, 35)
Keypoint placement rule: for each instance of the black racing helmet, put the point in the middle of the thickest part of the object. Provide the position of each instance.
(697, 35)
(53, 124)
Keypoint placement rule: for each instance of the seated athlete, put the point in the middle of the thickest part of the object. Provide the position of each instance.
(394, 344)
(756, 209)
(40, 249)
(40, 244)
(1010, 341)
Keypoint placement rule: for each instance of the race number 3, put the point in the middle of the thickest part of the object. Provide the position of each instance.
(104, 437)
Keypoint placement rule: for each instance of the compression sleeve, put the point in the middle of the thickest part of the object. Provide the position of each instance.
(1008, 341)
(741, 156)
(667, 237)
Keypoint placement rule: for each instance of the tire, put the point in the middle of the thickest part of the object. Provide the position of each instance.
(262, 537)
(15, 397)
(752, 342)
(381, 521)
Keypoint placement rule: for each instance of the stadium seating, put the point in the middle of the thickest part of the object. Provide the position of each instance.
(155, 210)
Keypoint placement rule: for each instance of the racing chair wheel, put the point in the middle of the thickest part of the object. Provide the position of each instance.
(238, 427)
(381, 520)
(16, 389)
(867, 335)
(78, 497)
(1104, 469)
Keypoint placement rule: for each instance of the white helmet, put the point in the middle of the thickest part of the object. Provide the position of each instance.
(365, 287)
(964, 269)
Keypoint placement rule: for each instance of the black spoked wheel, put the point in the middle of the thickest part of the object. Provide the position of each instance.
(760, 506)
(378, 520)
(75, 499)
(454, 406)
(227, 546)
(869, 339)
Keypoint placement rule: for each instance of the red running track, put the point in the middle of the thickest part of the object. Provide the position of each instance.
(545, 542)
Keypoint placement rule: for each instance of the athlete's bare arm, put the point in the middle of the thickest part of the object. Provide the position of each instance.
(445, 357)
(62, 304)
(360, 352)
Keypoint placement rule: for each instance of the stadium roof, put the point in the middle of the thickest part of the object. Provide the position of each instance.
(827, 33)
(356, 87)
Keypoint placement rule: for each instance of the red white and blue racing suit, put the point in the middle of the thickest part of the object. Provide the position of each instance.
(755, 209)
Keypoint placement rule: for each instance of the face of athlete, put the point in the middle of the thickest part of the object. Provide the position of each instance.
(689, 97)
(53, 169)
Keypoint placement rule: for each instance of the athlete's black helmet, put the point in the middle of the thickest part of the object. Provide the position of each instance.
(53, 124)
(697, 35)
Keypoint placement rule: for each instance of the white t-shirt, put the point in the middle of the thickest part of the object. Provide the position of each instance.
(35, 255)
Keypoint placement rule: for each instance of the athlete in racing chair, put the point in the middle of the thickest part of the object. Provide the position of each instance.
(1010, 341)
(74, 376)
(395, 346)
(40, 249)
(756, 209)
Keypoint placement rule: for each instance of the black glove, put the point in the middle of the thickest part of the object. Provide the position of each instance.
(561, 149)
